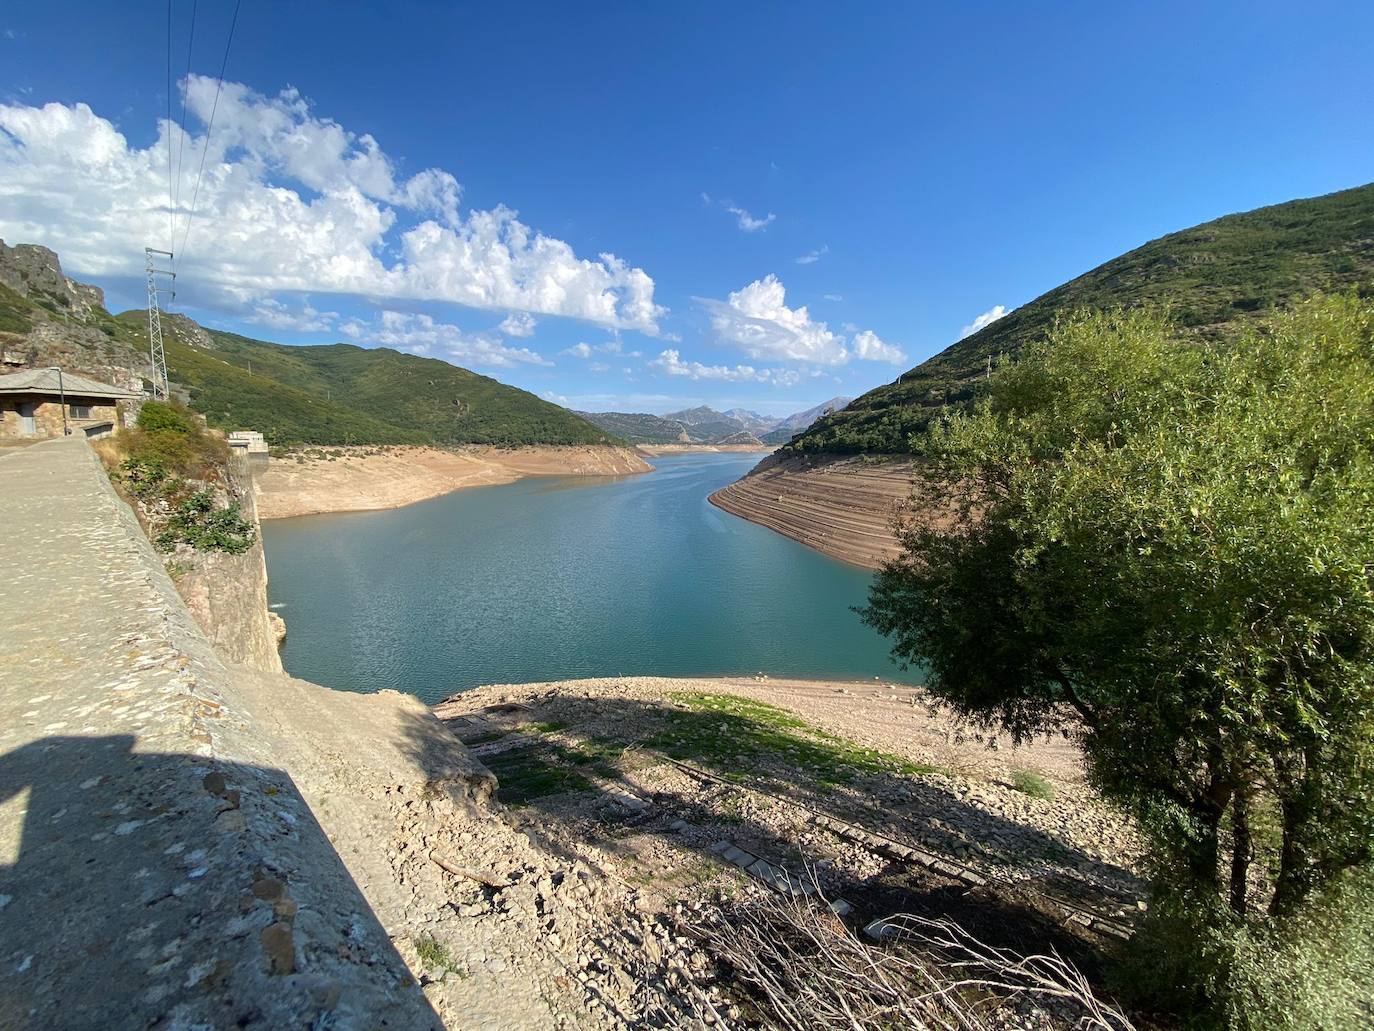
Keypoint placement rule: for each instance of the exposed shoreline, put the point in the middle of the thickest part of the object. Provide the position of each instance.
(846, 507)
(364, 479)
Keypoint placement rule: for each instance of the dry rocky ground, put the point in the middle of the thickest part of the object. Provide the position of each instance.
(632, 814)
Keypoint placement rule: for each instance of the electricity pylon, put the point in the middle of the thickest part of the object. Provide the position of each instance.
(155, 351)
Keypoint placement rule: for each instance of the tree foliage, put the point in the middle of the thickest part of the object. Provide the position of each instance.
(1166, 548)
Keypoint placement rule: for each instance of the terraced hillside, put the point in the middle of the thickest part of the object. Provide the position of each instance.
(843, 507)
(1213, 277)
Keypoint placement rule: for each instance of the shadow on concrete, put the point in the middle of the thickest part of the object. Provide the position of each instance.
(151, 890)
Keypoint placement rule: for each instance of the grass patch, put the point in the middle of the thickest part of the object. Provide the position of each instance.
(721, 731)
(1028, 782)
(434, 955)
(526, 774)
(549, 727)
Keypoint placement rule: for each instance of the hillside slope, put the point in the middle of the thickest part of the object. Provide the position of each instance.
(330, 394)
(1211, 276)
(341, 393)
(639, 427)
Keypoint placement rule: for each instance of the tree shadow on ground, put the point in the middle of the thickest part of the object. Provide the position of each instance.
(554, 758)
(149, 889)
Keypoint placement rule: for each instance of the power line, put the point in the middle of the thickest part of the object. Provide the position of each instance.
(181, 142)
(210, 127)
(171, 211)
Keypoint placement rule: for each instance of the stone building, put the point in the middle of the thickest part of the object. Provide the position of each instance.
(31, 404)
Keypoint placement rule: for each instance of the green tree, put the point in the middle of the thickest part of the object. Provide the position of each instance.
(1165, 547)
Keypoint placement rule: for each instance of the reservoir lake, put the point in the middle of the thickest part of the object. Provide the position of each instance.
(556, 578)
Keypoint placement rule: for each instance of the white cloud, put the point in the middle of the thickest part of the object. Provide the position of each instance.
(585, 350)
(748, 222)
(598, 367)
(670, 361)
(517, 324)
(868, 346)
(811, 257)
(290, 202)
(756, 319)
(276, 315)
(832, 297)
(422, 334)
(986, 319)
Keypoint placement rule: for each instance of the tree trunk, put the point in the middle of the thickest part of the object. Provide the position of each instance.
(1242, 851)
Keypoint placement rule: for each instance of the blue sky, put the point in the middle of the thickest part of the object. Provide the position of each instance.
(762, 206)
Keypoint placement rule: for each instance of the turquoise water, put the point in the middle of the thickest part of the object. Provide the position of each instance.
(556, 578)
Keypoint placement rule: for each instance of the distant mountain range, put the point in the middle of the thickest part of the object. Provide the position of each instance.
(705, 425)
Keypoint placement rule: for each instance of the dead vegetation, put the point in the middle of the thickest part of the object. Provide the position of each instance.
(803, 969)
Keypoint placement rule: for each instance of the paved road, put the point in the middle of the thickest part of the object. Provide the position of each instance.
(157, 868)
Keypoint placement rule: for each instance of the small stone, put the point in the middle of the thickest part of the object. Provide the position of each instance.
(215, 783)
(277, 942)
(269, 889)
(324, 992)
(286, 909)
(231, 821)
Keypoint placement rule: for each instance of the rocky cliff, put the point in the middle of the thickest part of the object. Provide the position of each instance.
(227, 594)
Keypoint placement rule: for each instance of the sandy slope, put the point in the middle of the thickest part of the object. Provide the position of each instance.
(841, 506)
(361, 479)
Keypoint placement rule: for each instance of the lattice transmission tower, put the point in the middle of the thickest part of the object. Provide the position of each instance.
(155, 352)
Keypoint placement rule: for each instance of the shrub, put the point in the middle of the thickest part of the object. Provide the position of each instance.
(1028, 782)
(158, 415)
(145, 476)
(198, 521)
(171, 437)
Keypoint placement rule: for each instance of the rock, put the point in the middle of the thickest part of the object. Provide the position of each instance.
(278, 943)
(269, 889)
(231, 821)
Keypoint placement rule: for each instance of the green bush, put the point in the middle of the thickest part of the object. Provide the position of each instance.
(197, 521)
(1028, 782)
(170, 437)
(145, 476)
(156, 416)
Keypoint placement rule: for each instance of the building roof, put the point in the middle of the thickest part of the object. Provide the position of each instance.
(44, 381)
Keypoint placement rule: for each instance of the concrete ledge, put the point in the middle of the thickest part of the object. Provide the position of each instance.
(159, 865)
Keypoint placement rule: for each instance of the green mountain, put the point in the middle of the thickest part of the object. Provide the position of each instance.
(340, 394)
(1212, 277)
